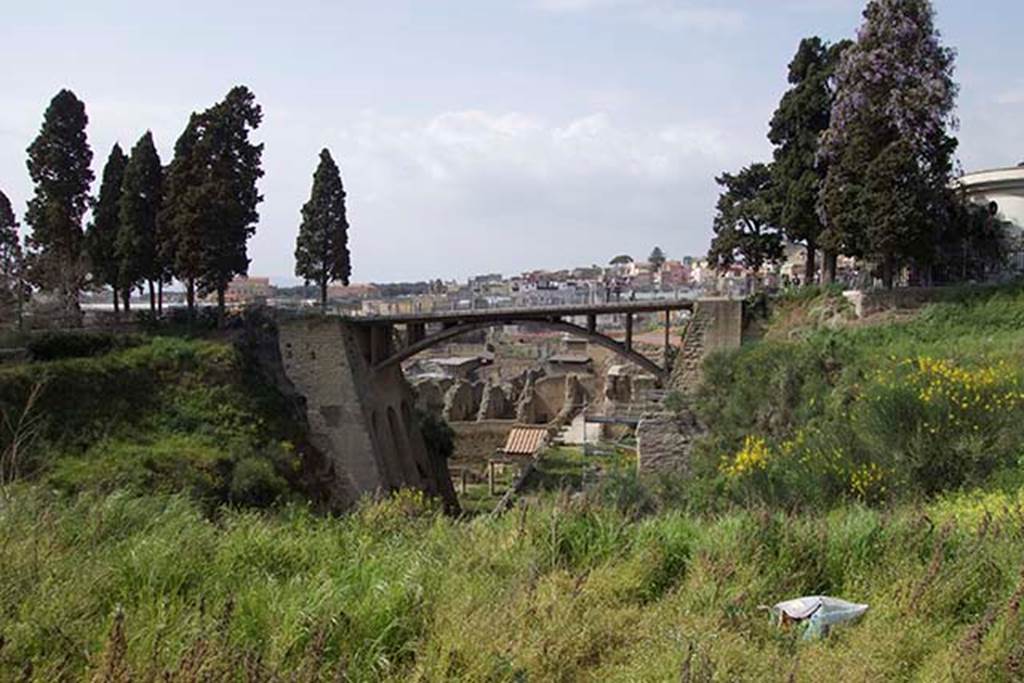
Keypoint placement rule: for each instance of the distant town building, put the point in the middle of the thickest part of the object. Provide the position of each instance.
(352, 291)
(248, 290)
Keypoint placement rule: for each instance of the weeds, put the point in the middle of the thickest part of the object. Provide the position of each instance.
(20, 432)
(150, 588)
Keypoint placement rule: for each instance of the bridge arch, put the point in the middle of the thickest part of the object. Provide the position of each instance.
(450, 332)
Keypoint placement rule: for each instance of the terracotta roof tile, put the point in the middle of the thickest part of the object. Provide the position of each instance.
(525, 440)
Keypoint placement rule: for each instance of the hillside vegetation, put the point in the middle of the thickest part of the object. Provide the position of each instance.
(879, 464)
(874, 413)
(159, 414)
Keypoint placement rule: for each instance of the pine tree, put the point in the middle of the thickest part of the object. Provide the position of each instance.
(798, 170)
(893, 113)
(12, 289)
(138, 241)
(657, 258)
(321, 250)
(59, 164)
(101, 236)
(743, 227)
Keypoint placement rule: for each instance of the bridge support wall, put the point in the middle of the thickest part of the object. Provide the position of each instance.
(665, 440)
(361, 419)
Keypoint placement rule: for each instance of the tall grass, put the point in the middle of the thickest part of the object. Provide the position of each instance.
(117, 585)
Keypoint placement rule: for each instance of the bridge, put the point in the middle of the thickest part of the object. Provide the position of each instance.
(345, 376)
(419, 332)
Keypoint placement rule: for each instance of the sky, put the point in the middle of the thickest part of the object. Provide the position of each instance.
(474, 136)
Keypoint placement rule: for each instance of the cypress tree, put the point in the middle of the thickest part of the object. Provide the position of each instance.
(138, 242)
(798, 170)
(12, 290)
(229, 190)
(59, 164)
(321, 249)
(212, 195)
(181, 219)
(657, 258)
(101, 236)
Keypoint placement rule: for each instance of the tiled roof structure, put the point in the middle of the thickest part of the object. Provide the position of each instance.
(525, 440)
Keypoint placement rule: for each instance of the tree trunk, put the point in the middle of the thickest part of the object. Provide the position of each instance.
(323, 295)
(126, 297)
(69, 294)
(811, 267)
(117, 302)
(828, 275)
(23, 294)
(888, 268)
(220, 306)
(160, 296)
(152, 298)
(190, 297)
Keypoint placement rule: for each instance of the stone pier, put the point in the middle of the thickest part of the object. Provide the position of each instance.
(359, 417)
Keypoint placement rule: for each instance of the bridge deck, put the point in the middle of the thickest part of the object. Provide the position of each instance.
(527, 313)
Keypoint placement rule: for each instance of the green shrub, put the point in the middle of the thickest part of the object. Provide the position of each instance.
(438, 435)
(255, 482)
(868, 414)
(58, 345)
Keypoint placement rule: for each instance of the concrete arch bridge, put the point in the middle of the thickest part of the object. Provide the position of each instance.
(394, 339)
(346, 374)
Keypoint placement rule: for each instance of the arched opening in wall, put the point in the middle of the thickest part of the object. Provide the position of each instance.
(410, 432)
(402, 450)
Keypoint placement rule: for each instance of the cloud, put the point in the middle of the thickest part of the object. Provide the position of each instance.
(661, 13)
(1013, 95)
(476, 191)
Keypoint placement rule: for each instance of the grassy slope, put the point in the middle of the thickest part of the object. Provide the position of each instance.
(855, 397)
(168, 415)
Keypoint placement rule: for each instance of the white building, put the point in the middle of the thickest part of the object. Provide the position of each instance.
(1005, 188)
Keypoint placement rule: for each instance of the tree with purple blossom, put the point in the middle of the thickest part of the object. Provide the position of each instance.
(889, 145)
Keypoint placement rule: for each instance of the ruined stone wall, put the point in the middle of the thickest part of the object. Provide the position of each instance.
(544, 399)
(361, 419)
(873, 301)
(476, 441)
(716, 325)
(665, 440)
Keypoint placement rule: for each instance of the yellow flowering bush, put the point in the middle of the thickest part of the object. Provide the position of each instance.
(938, 422)
(753, 456)
(965, 396)
(867, 482)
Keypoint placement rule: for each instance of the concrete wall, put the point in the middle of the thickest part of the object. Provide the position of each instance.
(725, 329)
(877, 300)
(361, 419)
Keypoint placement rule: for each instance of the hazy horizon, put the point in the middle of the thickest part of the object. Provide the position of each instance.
(475, 137)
